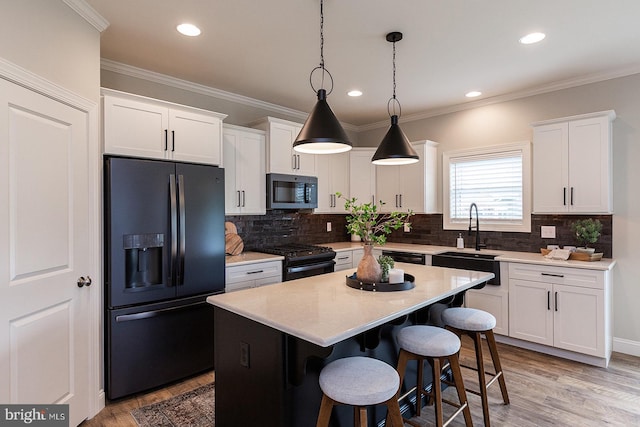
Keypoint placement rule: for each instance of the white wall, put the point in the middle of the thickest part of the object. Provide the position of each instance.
(510, 121)
(51, 40)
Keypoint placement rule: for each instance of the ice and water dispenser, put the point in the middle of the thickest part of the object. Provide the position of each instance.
(143, 258)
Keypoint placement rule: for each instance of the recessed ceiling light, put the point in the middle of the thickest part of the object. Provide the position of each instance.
(188, 30)
(532, 38)
(354, 92)
(473, 94)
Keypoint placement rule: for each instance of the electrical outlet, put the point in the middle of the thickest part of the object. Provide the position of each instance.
(407, 227)
(328, 226)
(548, 231)
(244, 354)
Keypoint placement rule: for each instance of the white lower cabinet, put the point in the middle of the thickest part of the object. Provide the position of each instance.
(494, 300)
(253, 275)
(348, 260)
(565, 308)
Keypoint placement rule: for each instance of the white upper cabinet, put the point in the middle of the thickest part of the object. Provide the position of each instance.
(144, 127)
(410, 187)
(333, 177)
(281, 157)
(244, 171)
(362, 175)
(572, 164)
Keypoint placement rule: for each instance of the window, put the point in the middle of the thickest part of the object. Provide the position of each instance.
(497, 179)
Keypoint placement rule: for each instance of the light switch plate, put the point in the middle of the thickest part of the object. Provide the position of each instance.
(328, 226)
(548, 231)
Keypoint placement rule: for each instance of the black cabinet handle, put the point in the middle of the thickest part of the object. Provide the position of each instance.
(564, 196)
(255, 272)
(552, 275)
(166, 140)
(548, 300)
(556, 298)
(173, 140)
(571, 196)
(243, 198)
(238, 204)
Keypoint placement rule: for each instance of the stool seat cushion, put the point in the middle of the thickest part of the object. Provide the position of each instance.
(359, 381)
(468, 319)
(429, 341)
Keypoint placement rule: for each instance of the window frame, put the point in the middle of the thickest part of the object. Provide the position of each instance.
(523, 226)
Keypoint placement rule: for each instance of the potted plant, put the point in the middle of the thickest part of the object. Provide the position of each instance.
(586, 231)
(365, 220)
(386, 264)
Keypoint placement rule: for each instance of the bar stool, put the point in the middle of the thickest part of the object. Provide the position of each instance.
(436, 345)
(359, 382)
(475, 323)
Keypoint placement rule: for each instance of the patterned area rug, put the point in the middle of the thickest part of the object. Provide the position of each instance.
(193, 408)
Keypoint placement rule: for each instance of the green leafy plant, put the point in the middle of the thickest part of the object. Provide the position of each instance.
(386, 263)
(586, 231)
(366, 221)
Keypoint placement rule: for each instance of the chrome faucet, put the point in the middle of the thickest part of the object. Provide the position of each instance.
(477, 226)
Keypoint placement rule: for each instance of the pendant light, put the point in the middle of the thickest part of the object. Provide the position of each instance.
(322, 132)
(395, 148)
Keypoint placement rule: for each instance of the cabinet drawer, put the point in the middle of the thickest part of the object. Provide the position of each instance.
(256, 271)
(557, 275)
(344, 259)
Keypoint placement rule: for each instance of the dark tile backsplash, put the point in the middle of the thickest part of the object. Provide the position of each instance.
(278, 226)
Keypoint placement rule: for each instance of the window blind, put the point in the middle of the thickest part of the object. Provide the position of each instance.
(493, 181)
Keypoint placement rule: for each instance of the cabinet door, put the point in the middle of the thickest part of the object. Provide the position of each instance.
(251, 174)
(387, 186)
(194, 137)
(579, 319)
(232, 195)
(362, 176)
(589, 165)
(411, 181)
(332, 171)
(244, 172)
(550, 163)
(134, 128)
(493, 301)
(530, 311)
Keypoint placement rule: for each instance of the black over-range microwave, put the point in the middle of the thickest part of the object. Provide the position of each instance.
(291, 191)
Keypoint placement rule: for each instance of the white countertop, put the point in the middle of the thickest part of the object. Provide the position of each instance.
(324, 310)
(250, 258)
(504, 256)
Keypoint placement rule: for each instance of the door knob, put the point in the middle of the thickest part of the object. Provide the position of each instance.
(82, 281)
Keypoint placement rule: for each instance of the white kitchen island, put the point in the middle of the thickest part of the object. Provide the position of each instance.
(271, 342)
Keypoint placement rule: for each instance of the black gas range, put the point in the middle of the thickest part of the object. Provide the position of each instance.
(301, 260)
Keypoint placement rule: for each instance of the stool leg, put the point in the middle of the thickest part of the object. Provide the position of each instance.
(394, 417)
(403, 358)
(493, 349)
(360, 416)
(454, 362)
(325, 411)
(419, 385)
(482, 380)
(437, 390)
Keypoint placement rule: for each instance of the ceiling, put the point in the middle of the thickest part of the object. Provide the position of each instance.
(266, 49)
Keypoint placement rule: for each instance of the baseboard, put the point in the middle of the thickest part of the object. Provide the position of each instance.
(621, 345)
(565, 354)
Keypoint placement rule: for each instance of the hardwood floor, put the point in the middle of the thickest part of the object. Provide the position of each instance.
(544, 391)
(118, 413)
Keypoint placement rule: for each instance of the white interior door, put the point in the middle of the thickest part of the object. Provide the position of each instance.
(44, 249)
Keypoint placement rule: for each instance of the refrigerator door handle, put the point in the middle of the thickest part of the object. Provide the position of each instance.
(153, 313)
(181, 206)
(174, 227)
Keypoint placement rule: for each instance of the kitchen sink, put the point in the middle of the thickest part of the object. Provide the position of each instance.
(469, 261)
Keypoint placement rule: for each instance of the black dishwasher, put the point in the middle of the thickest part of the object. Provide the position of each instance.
(407, 257)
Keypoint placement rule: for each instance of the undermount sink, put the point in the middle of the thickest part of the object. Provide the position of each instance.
(469, 261)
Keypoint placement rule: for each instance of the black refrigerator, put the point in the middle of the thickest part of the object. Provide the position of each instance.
(164, 254)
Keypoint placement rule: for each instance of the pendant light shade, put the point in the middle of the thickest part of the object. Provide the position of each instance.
(322, 132)
(395, 148)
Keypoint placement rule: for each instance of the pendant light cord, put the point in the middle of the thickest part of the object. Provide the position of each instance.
(391, 105)
(321, 66)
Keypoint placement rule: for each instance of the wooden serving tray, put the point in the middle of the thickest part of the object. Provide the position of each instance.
(578, 256)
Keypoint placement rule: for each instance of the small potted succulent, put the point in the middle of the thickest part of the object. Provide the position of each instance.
(586, 231)
(365, 220)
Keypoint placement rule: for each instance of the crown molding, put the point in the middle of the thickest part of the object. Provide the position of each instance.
(88, 13)
(538, 90)
(152, 76)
